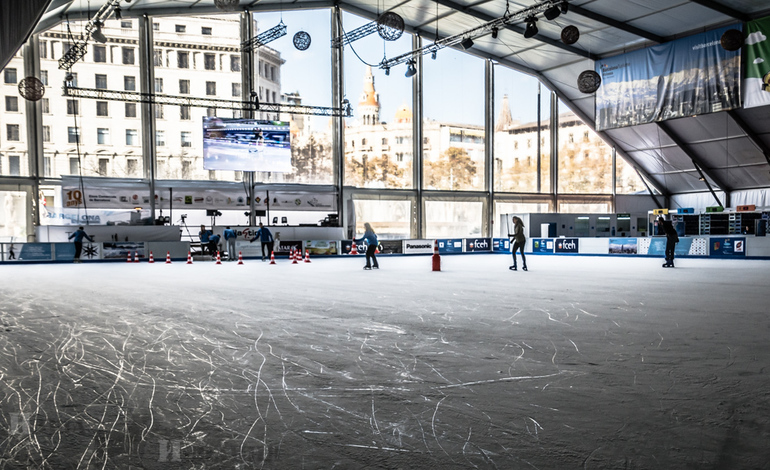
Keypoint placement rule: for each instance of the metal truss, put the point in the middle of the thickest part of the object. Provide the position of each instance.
(79, 49)
(265, 37)
(355, 35)
(137, 97)
(474, 33)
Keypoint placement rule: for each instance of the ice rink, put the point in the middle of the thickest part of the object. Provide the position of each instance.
(579, 363)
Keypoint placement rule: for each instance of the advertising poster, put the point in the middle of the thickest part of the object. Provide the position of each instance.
(478, 244)
(391, 247)
(284, 247)
(684, 77)
(450, 245)
(413, 247)
(756, 84)
(66, 251)
(542, 245)
(246, 145)
(728, 247)
(657, 247)
(35, 252)
(501, 244)
(121, 250)
(322, 247)
(623, 246)
(566, 245)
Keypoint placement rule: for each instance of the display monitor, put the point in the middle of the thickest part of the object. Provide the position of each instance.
(246, 145)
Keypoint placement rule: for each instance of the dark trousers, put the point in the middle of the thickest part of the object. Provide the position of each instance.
(268, 246)
(670, 248)
(519, 246)
(371, 260)
(78, 249)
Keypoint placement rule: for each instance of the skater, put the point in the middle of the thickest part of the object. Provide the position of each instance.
(204, 236)
(78, 235)
(214, 244)
(266, 238)
(519, 240)
(230, 237)
(672, 238)
(371, 246)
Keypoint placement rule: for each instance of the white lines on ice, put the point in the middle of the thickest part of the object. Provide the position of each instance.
(589, 314)
(433, 425)
(661, 340)
(573, 343)
(502, 379)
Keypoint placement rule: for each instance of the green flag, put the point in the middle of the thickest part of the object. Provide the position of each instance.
(757, 83)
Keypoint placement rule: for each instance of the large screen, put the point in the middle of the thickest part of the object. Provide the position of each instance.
(246, 145)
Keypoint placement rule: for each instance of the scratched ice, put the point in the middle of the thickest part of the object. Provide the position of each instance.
(579, 363)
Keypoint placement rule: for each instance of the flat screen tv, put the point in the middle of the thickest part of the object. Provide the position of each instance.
(246, 145)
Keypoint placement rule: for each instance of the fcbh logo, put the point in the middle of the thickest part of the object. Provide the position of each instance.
(480, 245)
(567, 245)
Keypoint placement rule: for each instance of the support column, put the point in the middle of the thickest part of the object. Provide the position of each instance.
(248, 94)
(34, 116)
(418, 222)
(147, 87)
(338, 126)
(554, 183)
(489, 146)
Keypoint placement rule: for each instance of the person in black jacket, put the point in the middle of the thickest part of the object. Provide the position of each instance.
(671, 240)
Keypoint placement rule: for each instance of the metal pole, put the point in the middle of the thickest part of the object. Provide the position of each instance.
(147, 85)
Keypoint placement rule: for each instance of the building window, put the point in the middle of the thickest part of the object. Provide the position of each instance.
(132, 165)
(100, 53)
(45, 105)
(44, 77)
(384, 141)
(73, 81)
(128, 56)
(235, 63)
(46, 133)
(43, 49)
(101, 81)
(206, 30)
(74, 167)
(10, 76)
(129, 83)
(184, 87)
(102, 136)
(132, 137)
(586, 137)
(12, 132)
(183, 60)
(186, 169)
(72, 107)
(14, 165)
(211, 88)
(47, 166)
(103, 162)
(186, 139)
(156, 26)
(363, 142)
(102, 108)
(184, 113)
(236, 89)
(73, 135)
(158, 111)
(180, 28)
(157, 58)
(158, 85)
(130, 110)
(126, 24)
(12, 104)
(160, 138)
(209, 61)
(571, 139)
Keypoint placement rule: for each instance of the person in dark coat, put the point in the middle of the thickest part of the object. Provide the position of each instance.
(79, 235)
(266, 238)
(519, 240)
(672, 238)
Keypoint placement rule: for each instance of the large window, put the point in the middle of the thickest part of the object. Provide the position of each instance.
(388, 218)
(449, 219)
(585, 161)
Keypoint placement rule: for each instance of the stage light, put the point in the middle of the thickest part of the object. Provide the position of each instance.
(564, 6)
(494, 32)
(531, 27)
(387, 70)
(118, 13)
(411, 70)
(467, 43)
(433, 55)
(552, 13)
(97, 34)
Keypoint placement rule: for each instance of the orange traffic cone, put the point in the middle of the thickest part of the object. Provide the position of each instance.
(436, 257)
(136, 257)
(354, 249)
(219, 261)
(128, 260)
(240, 258)
(151, 259)
(189, 258)
(307, 256)
(168, 257)
(272, 257)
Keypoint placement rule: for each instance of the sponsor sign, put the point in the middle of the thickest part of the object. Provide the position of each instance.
(35, 252)
(501, 244)
(566, 245)
(122, 250)
(756, 83)
(322, 247)
(284, 247)
(389, 247)
(478, 244)
(728, 247)
(454, 245)
(658, 247)
(412, 247)
(623, 246)
(542, 245)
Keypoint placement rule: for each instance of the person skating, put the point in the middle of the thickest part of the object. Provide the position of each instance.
(371, 246)
(672, 238)
(519, 240)
(79, 235)
(266, 238)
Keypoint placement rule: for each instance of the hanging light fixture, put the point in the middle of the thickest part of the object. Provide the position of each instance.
(495, 30)
(552, 13)
(531, 30)
(118, 13)
(433, 55)
(411, 70)
(387, 70)
(97, 34)
(564, 7)
(467, 43)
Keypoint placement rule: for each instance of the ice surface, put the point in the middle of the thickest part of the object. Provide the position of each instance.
(581, 362)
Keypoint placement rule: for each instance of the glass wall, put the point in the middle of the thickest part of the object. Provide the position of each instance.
(518, 129)
(585, 161)
(378, 138)
(388, 218)
(627, 179)
(453, 124)
(504, 227)
(14, 160)
(451, 219)
(13, 216)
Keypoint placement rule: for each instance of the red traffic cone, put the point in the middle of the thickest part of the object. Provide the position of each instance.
(354, 249)
(307, 256)
(189, 258)
(168, 257)
(219, 260)
(136, 257)
(128, 260)
(294, 257)
(436, 257)
(151, 259)
(240, 258)
(272, 257)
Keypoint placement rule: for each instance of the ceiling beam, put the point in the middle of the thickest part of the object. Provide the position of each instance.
(725, 10)
(761, 145)
(616, 24)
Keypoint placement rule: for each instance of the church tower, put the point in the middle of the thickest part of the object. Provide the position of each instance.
(369, 106)
(504, 119)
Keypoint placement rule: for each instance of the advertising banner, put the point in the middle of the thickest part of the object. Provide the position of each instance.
(623, 246)
(412, 247)
(322, 247)
(728, 247)
(566, 245)
(657, 247)
(756, 83)
(685, 77)
(389, 247)
(542, 245)
(121, 250)
(284, 247)
(478, 244)
(35, 252)
(450, 245)
(501, 244)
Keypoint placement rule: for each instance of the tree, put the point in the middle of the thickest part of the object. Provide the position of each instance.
(453, 171)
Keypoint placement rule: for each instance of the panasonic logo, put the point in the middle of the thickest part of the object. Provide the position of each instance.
(427, 245)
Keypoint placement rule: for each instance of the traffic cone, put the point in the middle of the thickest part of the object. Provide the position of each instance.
(298, 255)
(129, 257)
(436, 257)
(307, 256)
(168, 257)
(240, 258)
(151, 259)
(272, 257)
(294, 256)
(354, 249)
(136, 257)
(219, 261)
(189, 258)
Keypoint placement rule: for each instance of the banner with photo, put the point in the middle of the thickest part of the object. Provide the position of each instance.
(623, 246)
(685, 77)
(756, 83)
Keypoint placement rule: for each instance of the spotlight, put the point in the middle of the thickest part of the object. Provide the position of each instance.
(467, 43)
(531, 27)
(410, 68)
(433, 54)
(564, 6)
(97, 34)
(118, 13)
(387, 70)
(494, 32)
(552, 13)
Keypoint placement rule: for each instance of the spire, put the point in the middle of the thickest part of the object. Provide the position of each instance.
(369, 106)
(504, 119)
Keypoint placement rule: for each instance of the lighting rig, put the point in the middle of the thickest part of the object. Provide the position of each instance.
(551, 9)
(93, 29)
(265, 37)
(390, 27)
